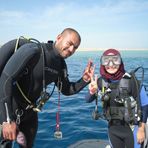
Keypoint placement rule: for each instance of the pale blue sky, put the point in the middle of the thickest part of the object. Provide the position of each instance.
(120, 24)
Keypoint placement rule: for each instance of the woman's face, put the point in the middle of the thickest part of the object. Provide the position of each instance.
(111, 68)
(111, 63)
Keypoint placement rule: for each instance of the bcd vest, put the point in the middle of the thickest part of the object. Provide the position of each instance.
(121, 99)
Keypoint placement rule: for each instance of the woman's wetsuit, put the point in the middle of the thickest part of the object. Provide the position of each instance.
(25, 66)
(120, 133)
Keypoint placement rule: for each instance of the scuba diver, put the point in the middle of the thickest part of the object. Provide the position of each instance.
(26, 68)
(121, 95)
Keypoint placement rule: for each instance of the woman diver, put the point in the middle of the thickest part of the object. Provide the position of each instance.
(120, 93)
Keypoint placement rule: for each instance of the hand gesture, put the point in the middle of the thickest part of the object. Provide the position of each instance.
(93, 86)
(89, 71)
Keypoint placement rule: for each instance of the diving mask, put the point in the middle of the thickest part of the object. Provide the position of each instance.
(115, 59)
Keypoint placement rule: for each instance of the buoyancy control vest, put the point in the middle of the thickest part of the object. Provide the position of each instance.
(121, 99)
(8, 49)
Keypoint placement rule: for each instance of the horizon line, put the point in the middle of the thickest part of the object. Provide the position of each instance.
(121, 49)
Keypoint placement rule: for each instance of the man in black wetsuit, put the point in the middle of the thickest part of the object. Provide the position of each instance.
(25, 73)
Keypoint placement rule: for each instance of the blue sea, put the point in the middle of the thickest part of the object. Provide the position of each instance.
(76, 122)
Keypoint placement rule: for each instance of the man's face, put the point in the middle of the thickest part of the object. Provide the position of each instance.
(67, 43)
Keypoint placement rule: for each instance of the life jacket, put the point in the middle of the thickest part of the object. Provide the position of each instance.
(120, 100)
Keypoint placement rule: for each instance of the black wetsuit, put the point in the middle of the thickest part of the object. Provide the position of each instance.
(25, 66)
(120, 133)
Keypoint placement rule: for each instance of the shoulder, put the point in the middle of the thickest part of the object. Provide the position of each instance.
(30, 48)
(48, 45)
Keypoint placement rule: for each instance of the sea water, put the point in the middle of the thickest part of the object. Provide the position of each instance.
(76, 121)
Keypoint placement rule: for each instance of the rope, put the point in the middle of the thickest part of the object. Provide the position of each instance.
(59, 97)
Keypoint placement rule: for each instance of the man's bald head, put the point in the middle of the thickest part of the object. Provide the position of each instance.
(71, 30)
(67, 42)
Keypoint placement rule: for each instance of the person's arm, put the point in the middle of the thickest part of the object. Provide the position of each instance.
(26, 56)
(70, 88)
(5, 53)
(141, 132)
(144, 113)
(141, 127)
(144, 104)
(90, 97)
(7, 50)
